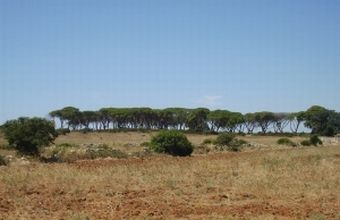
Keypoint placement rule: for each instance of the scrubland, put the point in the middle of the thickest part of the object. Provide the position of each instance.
(263, 181)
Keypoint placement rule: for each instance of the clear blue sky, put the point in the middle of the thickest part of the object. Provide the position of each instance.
(276, 55)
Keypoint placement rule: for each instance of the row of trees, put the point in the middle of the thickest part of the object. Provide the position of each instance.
(319, 119)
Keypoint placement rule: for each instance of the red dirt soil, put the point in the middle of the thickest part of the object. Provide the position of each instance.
(45, 202)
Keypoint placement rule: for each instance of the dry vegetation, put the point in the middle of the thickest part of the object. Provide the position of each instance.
(128, 141)
(265, 181)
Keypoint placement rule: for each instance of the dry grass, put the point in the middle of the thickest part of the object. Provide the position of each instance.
(126, 141)
(270, 183)
(133, 139)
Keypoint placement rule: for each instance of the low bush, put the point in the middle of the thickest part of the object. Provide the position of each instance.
(171, 142)
(236, 145)
(286, 141)
(227, 141)
(3, 161)
(207, 141)
(315, 140)
(224, 139)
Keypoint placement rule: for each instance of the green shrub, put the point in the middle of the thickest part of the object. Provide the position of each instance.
(286, 141)
(236, 145)
(3, 161)
(207, 141)
(224, 139)
(28, 135)
(305, 143)
(315, 140)
(171, 142)
(227, 141)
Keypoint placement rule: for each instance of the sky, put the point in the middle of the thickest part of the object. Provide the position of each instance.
(246, 56)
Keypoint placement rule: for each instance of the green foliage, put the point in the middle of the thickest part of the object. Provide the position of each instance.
(207, 141)
(218, 119)
(224, 139)
(250, 122)
(3, 161)
(69, 114)
(264, 119)
(286, 141)
(28, 135)
(315, 140)
(236, 145)
(295, 119)
(171, 142)
(322, 121)
(197, 119)
(173, 117)
(227, 141)
(281, 120)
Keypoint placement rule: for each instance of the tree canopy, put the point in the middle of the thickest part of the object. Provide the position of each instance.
(27, 135)
(319, 119)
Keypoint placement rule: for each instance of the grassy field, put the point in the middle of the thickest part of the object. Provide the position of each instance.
(263, 181)
(131, 141)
